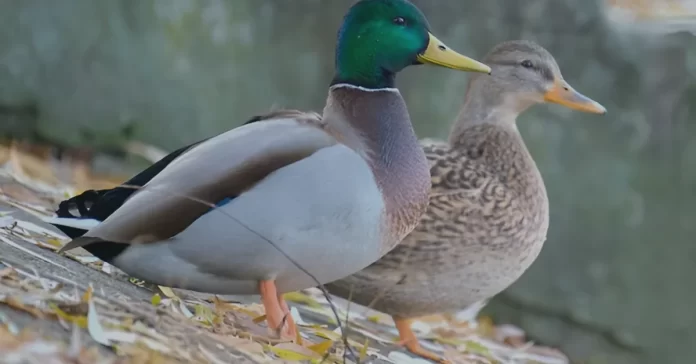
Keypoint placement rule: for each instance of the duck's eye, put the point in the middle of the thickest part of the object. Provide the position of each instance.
(399, 21)
(527, 64)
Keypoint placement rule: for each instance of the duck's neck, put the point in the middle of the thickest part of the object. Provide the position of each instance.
(487, 103)
(376, 124)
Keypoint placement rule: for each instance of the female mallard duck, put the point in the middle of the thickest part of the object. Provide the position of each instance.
(333, 193)
(488, 212)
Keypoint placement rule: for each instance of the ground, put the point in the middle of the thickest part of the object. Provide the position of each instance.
(73, 308)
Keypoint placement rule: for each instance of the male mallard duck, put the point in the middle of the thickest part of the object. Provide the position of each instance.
(488, 212)
(333, 193)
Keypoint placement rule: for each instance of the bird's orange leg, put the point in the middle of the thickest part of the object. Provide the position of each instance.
(410, 341)
(274, 312)
(290, 322)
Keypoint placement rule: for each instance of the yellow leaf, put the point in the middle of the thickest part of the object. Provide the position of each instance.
(325, 334)
(322, 347)
(88, 294)
(477, 348)
(80, 321)
(293, 352)
(373, 318)
(299, 297)
(54, 242)
(259, 319)
(156, 299)
(168, 292)
(204, 313)
(363, 350)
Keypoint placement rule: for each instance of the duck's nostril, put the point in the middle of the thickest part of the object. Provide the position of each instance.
(442, 48)
(565, 88)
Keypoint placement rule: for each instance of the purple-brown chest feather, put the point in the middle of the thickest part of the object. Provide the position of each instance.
(380, 129)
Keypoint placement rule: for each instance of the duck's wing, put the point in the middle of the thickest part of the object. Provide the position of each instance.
(100, 204)
(97, 205)
(214, 170)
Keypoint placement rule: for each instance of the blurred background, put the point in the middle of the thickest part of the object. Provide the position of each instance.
(615, 281)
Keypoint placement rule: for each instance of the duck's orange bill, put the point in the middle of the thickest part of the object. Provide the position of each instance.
(563, 94)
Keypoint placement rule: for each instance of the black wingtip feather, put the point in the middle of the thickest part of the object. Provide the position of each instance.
(254, 119)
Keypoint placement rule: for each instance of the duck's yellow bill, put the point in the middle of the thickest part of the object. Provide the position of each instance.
(439, 54)
(563, 94)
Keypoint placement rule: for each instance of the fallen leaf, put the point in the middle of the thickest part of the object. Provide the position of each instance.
(321, 348)
(293, 352)
(184, 310)
(43, 245)
(87, 296)
(136, 281)
(54, 242)
(78, 320)
(401, 358)
(221, 307)
(373, 318)
(477, 348)
(299, 297)
(36, 229)
(204, 314)
(259, 319)
(168, 292)
(21, 193)
(248, 346)
(7, 272)
(324, 333)
(363, 350)
(107, 268)
(28, 251)
(19, 305)
(94, 327)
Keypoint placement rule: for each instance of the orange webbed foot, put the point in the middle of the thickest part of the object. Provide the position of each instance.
(291, 327)
(410, 341)
(278, 314)
(275, 317)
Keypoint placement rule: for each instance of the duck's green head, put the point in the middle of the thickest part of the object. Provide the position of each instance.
(379, 38)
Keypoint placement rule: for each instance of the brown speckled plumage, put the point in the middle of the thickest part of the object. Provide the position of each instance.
(488, 213)
(486, 193)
